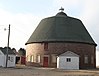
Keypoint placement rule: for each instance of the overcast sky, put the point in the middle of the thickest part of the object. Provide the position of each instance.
(25, 15)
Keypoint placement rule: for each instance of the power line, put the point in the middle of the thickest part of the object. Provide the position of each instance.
(19, 30)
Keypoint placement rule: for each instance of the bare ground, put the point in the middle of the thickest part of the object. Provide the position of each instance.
(36, 71)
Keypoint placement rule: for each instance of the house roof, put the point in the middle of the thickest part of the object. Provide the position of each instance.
(4, 51)
(60, 28)
(69, 53)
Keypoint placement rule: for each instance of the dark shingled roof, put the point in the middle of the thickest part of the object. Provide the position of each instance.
(4, 50)
(60, 28)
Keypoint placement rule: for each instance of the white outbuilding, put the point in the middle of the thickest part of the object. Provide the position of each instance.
(11, 57)
(68, 60)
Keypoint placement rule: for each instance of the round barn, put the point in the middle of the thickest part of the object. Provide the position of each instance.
(56, 35)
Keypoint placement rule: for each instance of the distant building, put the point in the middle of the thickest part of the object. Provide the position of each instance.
(56, 35)
(20, 56)
(11, 57)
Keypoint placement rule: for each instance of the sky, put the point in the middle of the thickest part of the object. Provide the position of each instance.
(25, 15)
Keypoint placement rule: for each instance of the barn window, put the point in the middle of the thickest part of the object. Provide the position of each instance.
(45, 46)
(68, 59)
(28, 58)
(32, 58)
(38, 58)
(86, 59)
(10, 59)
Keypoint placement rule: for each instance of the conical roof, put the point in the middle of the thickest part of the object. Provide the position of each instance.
(60, 28)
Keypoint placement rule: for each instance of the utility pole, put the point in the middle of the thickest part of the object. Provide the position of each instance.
(7, 46)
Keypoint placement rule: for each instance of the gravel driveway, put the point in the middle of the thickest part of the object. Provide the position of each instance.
(36, 71)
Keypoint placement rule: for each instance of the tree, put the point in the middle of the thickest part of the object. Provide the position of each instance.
(14, 50)
(22, 51)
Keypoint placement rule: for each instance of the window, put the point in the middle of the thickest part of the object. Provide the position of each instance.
(68, 59)
(10, 59)
(35, 58)
(45, 46)
(54, 58)
(28, 58)
(86, 59)
(38, 58)
(32, 58)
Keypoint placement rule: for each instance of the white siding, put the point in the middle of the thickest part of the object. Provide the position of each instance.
(63, 64)
(11, 61)
(2, 60)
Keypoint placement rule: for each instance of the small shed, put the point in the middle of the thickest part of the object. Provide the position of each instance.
(11, 57)
(68, 60)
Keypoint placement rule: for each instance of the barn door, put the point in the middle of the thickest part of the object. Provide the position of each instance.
(23, 60)
(45, 61)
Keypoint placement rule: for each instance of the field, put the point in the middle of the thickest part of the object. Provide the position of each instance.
(36, 71)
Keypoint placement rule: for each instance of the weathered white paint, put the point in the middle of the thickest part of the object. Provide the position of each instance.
(63, 64)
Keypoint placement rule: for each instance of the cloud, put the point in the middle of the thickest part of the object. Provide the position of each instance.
(5, 17)
(70, 6)
(90, 17)
(22, 25)
(68, 3)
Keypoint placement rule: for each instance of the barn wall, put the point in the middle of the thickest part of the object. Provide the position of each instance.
(59, 48)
